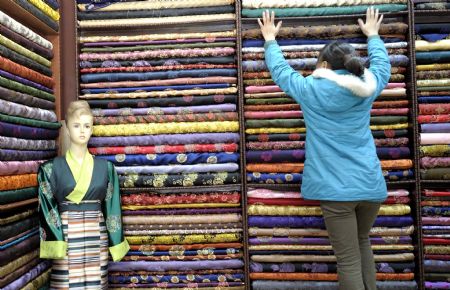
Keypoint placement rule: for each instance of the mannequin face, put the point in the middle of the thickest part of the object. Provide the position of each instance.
(80, 129)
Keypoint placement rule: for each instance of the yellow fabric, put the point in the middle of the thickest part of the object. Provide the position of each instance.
(17, 263)
(41, 5)
(133, 22)
(274, 130)
(160, 4)
(385, 127)
(187, 205)
(436, 66)
(433, 83)
(23, 51)
(165, 128)
(184, 239)
(82, 173)
(423, 45)
(396, 209)
(165, 36)
(53, 250)
(119, 251)
(159, 94)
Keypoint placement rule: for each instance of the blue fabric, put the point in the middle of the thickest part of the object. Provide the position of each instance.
(315, 285)
(142, 76)
(398, 175)
(393, 152)
(300, 41)
(432, 57)
(434, 36)
(340, 143)
(435, 211)
(179, 278)
(435, 128)
(10, 244)
(155, 88)
(434, 99)
(271, 178)
(436, 266)
(54, 3)
(166, 159)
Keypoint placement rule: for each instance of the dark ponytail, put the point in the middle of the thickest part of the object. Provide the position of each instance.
(341, 55)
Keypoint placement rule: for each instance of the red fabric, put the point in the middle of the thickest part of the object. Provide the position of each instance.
(433, 119)
(182, 198)
(437, 257)
(436, 241)
(428, 192)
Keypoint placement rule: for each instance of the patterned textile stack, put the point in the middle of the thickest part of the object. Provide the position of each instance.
(274, 124)
(435, 234)
(295, 8)
(28, 129)
(433, 91)
(44, 10)
(431, 4)
(166, 115)
(288, 243)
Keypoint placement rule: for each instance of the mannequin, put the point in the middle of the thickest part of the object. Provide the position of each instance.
(79, 210)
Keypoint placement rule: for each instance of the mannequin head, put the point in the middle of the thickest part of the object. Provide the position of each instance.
(79, 120)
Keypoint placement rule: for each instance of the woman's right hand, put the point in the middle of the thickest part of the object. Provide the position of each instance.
(373, 22)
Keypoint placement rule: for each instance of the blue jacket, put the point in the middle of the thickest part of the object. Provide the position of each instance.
(341, 160)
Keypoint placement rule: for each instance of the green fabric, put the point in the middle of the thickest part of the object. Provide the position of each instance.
(277, 123)
(52, 250)
(441, 88)
(22, 50)
(29, 122)
(82, 173)
(15, 86)
(269, 101)
(385, 120)
(153, 47)
(9, 196)
(435, 174)
(435, 150)
(323, 11)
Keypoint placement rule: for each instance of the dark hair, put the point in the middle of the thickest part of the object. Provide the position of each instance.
(341, 55)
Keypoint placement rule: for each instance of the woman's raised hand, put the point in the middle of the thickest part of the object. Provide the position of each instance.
(373, 22)
(268, 28)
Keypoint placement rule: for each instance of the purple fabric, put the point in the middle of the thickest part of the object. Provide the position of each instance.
(175, 265)
(125, 43)
(173, 169)
(200, 138)
(437, 285)
(26, 132)
(320, 241)
(193, 211)
(435, 128)
(317, 222)
(19, 167)
(178, 285)
(27, 277)
(436, 220)
(165, 110)
(25, 81)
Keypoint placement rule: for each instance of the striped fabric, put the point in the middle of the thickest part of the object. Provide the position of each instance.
(86, 265)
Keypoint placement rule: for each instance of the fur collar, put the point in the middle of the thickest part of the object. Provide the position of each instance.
(364, 87)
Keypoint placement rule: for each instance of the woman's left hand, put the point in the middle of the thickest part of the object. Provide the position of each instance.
(268, 28)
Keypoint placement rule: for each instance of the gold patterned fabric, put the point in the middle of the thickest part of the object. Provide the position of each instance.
(160, 4)
(435, 66)
(181, 219)
(18, 181)
(423, 45)
(19, 262)
(167, 128)
(166, 36)
(396, 209)
(184, 239)
(41, 5)
(160, 94)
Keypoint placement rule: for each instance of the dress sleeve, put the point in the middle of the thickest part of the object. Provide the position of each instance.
(289, 80)
(380, 65)
(52, 243)
(118, 246)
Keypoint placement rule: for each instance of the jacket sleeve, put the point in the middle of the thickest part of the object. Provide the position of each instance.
(380, 65)
(52, 243)
(289, 80)
(118, 245)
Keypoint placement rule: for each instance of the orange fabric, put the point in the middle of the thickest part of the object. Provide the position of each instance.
(12, 182)
(396, 164)
(275, 167)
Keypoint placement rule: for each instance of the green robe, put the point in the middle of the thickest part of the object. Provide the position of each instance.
(55, 183)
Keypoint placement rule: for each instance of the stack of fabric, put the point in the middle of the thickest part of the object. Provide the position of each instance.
(436, 237)
(431, 4)
(45, 10)
(433, 91)
(288, 243)
(295, 8)
(165, 107)
(28, 129)
(274, 122)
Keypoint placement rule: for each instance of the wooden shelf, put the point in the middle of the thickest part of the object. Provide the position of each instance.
(26, 18)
